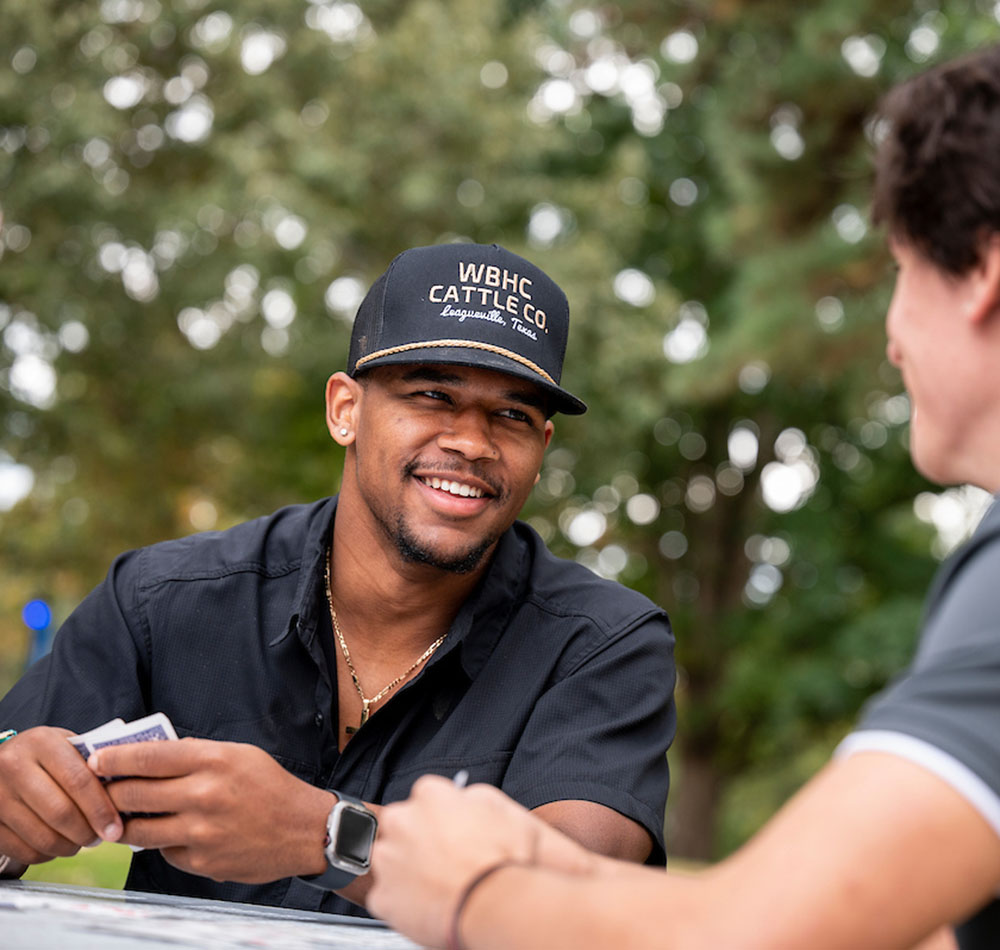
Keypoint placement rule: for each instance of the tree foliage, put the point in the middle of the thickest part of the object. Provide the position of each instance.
(194, 195)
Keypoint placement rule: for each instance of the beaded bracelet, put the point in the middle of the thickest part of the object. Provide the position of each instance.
(454, 940)
(6, 860)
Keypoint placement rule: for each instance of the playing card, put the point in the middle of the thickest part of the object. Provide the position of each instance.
(83, 742)
(153, 728)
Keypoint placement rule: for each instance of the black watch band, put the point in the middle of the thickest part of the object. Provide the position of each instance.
(334, 878)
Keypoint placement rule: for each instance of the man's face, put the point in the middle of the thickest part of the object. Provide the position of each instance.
(928, 340)
(446, 457)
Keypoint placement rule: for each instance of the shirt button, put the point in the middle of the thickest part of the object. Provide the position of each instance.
(318, 719)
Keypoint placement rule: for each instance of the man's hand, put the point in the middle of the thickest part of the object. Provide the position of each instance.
(431, 846)
(222, 810)
(51, 804)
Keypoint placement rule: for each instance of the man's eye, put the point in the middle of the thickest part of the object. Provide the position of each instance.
(517, 415)
(434, 394)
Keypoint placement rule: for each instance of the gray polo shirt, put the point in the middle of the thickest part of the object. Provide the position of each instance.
(944, 713)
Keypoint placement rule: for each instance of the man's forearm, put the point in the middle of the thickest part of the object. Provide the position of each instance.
(618, 905)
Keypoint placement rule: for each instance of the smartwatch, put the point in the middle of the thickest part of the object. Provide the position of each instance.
(350, 833)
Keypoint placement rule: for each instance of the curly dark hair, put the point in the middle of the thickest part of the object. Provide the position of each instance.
(937, 170)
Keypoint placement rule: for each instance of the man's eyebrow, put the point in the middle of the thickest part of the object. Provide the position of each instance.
(528, 397)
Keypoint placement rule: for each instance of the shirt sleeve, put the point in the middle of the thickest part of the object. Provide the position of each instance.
(944, 717)
(601, 733)
(944, 713)
(97, 665)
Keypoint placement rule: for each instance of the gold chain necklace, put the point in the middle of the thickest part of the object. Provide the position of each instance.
(367, 703)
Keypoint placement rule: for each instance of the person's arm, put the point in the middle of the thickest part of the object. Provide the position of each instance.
(874, 852)
(598, 828)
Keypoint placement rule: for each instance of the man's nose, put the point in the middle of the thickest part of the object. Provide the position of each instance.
(469, 435)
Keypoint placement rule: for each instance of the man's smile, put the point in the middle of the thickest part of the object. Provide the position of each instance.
(453, 487)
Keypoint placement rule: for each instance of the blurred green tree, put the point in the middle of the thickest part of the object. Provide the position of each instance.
(194, 197)
(763, 490)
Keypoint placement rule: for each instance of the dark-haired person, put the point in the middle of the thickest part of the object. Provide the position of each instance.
(900, 835)
(317, 661)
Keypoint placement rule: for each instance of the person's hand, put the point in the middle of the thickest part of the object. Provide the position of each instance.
(51, 804)
(429, 848)
(223, 810)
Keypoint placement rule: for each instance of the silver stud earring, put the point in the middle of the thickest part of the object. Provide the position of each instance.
(343, 431)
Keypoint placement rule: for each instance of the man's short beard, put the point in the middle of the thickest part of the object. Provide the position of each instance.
(410, 549)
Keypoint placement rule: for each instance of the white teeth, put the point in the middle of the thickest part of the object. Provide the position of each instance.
(453, 488)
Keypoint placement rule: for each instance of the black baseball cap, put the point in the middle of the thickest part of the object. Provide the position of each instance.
(467, 304)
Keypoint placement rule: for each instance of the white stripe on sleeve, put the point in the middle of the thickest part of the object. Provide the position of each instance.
(960, 777)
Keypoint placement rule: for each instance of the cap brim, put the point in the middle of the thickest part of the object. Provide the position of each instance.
(561, 400)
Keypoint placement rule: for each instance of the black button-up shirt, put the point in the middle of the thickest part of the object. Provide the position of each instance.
(552, 684)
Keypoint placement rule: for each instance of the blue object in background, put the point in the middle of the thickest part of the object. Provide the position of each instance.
(37, 616)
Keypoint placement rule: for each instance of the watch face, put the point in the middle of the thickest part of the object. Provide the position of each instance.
(355, 835)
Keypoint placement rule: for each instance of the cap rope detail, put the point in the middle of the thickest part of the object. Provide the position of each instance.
(464, 344)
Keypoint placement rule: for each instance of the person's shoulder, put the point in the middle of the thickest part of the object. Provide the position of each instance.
(983, 545)
(964, 602)
(269, 545)
(566, 588)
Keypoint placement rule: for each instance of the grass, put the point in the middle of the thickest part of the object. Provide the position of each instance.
(103, 866)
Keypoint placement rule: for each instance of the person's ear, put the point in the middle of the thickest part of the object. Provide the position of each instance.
(547, 435)
(983, 282)
(343, 402)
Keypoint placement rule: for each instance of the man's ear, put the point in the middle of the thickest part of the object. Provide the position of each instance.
(547, 435)
(343, 405)
(983, 281)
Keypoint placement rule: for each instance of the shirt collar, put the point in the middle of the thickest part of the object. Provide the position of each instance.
(310, 596)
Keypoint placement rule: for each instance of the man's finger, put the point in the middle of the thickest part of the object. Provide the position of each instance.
(151, 796)
(28, 839)
(156, 832)
(89, 798)
(146, 759)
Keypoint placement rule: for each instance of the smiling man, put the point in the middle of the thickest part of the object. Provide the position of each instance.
(321, 659)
